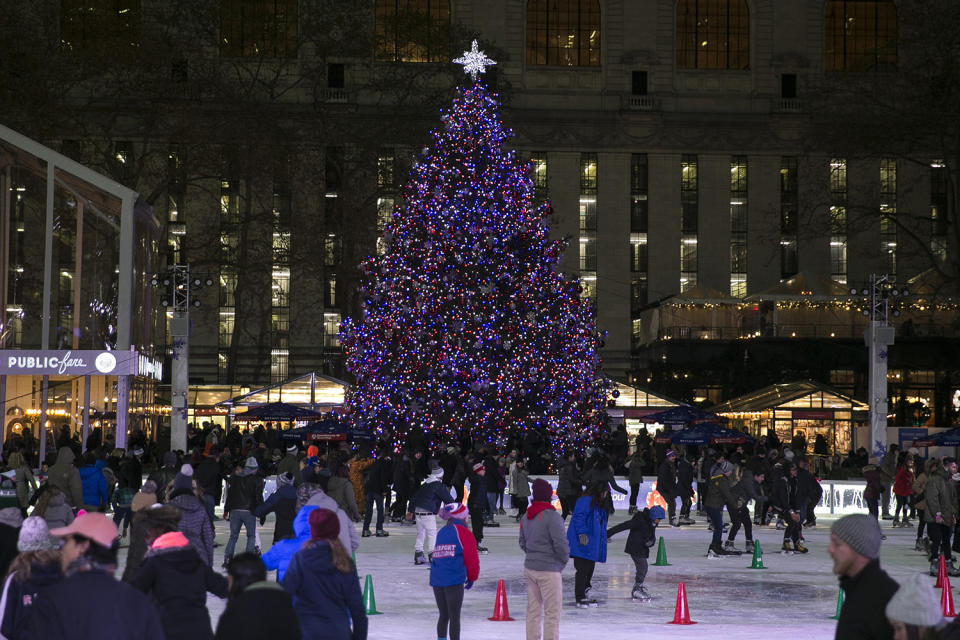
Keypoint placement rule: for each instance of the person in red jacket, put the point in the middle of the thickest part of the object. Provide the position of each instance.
(454, 567)
(902, 490)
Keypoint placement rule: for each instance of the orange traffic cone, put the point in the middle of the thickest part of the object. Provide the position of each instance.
(501, 612)
(681, 615)
(946, 600)
(941, 573)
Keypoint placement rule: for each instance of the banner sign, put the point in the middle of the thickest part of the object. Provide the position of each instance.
(54, 362)
(812, 415)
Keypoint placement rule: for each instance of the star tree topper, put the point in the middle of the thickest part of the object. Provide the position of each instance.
(474, 62)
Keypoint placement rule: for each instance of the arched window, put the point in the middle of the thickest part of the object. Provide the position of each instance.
(861, 35)
(413, 30)
(563, 32)
(713, 34)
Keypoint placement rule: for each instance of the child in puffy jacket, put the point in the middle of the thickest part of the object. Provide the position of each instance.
(455, 567)
(643, 535)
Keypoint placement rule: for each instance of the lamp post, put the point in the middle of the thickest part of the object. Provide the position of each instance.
(878, 336)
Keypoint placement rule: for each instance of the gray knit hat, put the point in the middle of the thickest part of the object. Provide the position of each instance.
(861, 532)
(35, 536)
(915, 603)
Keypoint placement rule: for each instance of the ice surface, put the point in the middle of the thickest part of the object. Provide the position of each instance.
(796, 592)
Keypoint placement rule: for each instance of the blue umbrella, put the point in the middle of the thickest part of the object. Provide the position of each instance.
(710, 433)
(328, 430)
(949, 438)
(682, 415)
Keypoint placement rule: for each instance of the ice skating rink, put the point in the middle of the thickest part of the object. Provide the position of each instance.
(796, 594)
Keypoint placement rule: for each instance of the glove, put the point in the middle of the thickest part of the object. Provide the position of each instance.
(468, 584)
(583, 539)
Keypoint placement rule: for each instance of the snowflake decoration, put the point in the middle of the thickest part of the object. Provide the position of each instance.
(474, 62)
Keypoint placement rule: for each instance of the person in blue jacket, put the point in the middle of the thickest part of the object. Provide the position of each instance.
(455, 566)
(94, 483)
(323, 581)
(279, 555)
(587, 535)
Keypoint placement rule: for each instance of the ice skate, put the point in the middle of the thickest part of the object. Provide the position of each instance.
(587, 603)
(934, 567)
(896, 522)
(920, 547)
(799, 548)
(952, 570)
(631, 511)
(687, 520)
(717, 552)
(419, 558)
(786, 549)
(750, 546)
(365, 533)
(482, 550)
(731, 548)
(640, 594)
(381, 533)
(906, 523)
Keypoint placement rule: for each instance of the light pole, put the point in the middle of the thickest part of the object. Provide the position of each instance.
(179, 285)
(878, 337)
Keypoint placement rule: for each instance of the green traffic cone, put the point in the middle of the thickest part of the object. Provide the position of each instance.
(840, 596)
(661, 555)
(369, 602)
(757, 562)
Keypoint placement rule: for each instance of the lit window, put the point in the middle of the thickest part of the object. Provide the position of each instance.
(563, 32)
(861, 35)
(100, 27)
(713, 34)
(413, 30)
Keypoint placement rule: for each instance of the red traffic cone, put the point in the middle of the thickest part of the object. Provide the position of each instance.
(941, 573)
(946, 600)
(501, 612)
(681, 615)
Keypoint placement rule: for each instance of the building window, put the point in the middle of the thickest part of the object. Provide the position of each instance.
(738, 226)
(280, 327)
(100, 27)
(254, 28)
(228, 287)
(413, 30)
(789, 224)
(335, 75)
(331, 250)
(639, 258)
(563, 32)
(838, 220)
(226, 327)
(861, 35)
(689, 214)
(279, 365)
(638, 83)
(331, 329)
(330, 291)
(538, 172)
(588, 225)
(888, 214)
(229, 202)
(938, 210)
(713, 34)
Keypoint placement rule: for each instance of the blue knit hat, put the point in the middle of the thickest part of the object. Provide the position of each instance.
(657, 513)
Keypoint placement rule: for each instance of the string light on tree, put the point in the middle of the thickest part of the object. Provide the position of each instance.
(467, 326)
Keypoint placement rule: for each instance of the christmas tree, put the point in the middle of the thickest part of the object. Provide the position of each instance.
(467, 325)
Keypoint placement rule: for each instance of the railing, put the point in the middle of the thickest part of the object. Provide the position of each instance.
(333, 95)
(642, 103)
(823, 331)
(789, 105)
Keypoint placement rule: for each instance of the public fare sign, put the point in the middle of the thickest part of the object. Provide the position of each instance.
(72, 363)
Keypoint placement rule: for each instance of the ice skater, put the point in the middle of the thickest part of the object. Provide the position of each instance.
(786, 502)
(587, 536)
(643, 535)
(454, 567)
(424, 505)
(718, 495)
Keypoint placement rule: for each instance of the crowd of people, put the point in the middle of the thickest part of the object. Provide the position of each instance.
(62, 557)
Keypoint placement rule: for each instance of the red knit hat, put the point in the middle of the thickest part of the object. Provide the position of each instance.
(542, 491)
(324, 524)
(453, 511)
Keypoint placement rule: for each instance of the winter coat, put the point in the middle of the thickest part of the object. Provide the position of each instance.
(194, 522)
(866, 594)
(358, 470)
(667, 479)
(784, 495)
(888, 467)
(476, 497)
(429, 497)
(602, 475)
(491, 477)
(282, 502)
(684, 477)
(263, 610)
(941, 497)
(163, 477)
(22, 596)
(142, 501)
(178, 579)
(26, 485)
(719, 493)
(341, 490)
(592, 521)
(348, 533)
(131, 473)
(903, 483)
(8, 537)
(138, 545)
(542, 538)
(66, 477)
(279, 555)
(874, 483)
(919, 490)
(519, 483)
(244, 492)
(643, 534)
(378, 477)
(745, 488)
(455, 558)
(92, 604)
(636, 468)
(326, 600)
(209, 476)
(57, 512)
(94, 486)
(569, 481)
(290, 463)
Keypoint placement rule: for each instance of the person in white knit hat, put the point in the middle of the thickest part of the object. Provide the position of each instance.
(914, 610)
